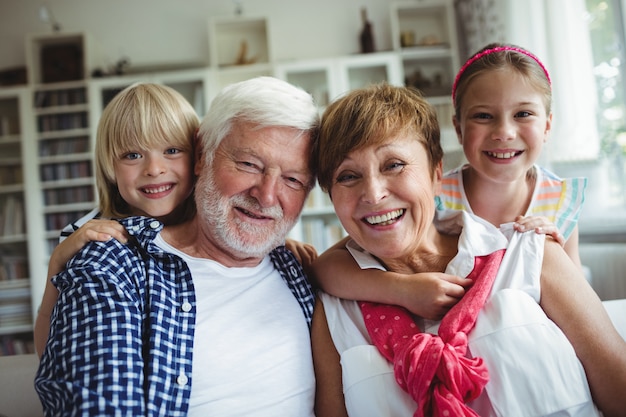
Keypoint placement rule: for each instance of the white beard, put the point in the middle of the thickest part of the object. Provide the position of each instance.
(243, 239)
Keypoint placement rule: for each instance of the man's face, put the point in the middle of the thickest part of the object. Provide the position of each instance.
(252, 194)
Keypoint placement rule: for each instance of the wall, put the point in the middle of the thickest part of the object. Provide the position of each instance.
(174, 32)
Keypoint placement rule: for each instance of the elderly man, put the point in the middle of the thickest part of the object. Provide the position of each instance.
(208, 317)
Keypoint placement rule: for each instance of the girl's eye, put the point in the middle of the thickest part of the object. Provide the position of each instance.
(482, 116)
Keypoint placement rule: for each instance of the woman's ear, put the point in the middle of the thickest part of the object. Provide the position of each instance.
(438, 177)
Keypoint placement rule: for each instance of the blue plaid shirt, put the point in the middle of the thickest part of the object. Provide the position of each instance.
(121, 340)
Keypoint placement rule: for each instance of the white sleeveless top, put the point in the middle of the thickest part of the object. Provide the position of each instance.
(532, 366)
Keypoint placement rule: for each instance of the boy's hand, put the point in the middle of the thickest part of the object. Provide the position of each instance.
(304, 252)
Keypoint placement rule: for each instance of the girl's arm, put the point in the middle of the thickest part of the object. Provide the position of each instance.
(329, 400)
(571, 303)
(429, 294)
(542, 225)
(95, 229)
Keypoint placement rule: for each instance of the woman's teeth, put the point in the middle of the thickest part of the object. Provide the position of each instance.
(384, 219)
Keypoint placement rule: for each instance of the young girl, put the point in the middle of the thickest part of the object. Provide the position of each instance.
(144, 166)
(502, 99)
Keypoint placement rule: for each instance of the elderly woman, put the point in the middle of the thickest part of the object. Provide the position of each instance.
(530, 337)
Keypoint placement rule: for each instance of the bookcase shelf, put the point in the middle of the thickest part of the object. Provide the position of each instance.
(48, 127)
(16, 314)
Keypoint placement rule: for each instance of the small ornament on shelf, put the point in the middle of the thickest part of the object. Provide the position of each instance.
(367, 35)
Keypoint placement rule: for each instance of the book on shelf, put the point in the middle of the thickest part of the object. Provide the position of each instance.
(12, 217)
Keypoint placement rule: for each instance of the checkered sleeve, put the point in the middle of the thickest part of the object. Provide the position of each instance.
(92, 364)
(292, 273)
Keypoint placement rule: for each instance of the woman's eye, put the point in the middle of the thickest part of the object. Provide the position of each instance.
(345, 177)
(394, 166)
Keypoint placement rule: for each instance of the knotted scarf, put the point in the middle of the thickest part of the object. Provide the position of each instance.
(434, 369)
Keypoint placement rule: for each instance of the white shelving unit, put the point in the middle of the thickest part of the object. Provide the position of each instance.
(48, 127)
(18, 260)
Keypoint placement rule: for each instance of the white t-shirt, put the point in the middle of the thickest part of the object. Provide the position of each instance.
(252, 354)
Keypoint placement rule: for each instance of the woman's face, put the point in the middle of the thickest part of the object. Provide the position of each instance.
(384, 196)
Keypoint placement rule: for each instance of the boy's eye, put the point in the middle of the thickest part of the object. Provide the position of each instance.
(172, 151)
(482, 116)
(131, 155)
(523, 114)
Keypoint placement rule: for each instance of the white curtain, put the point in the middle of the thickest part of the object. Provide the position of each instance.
(556, 31)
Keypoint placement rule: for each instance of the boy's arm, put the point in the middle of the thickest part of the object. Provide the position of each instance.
(96, 330)
(93, 230)
(304, 252)
(429, 294)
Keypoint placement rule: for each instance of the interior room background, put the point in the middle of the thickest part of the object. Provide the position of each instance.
(580, 41)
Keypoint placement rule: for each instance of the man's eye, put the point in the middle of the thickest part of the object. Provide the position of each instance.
(295, 183)
(248, 166)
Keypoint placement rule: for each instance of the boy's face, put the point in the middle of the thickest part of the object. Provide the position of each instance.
(155, 182)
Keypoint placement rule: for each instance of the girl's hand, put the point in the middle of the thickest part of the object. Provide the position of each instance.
(304, 252)
(540, 225)
(431, 294)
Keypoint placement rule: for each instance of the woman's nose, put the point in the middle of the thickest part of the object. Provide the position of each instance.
(374, 190)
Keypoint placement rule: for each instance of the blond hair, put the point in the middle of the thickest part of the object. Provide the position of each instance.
(140, 117)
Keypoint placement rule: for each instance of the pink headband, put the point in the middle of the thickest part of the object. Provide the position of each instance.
(492, 51)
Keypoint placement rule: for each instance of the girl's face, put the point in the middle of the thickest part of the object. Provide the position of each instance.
(384, 196)
(154, 182)
(502, 126)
